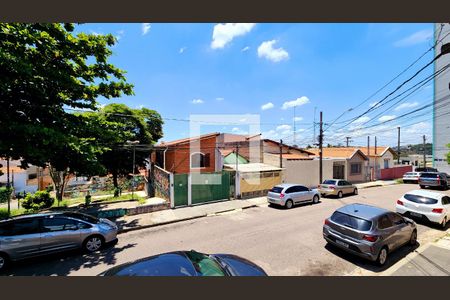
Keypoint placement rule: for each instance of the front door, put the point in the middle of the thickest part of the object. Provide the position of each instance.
(338, 171)
(59, 234)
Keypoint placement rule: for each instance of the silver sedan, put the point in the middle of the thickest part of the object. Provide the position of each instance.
(288, 195)
(337, 187)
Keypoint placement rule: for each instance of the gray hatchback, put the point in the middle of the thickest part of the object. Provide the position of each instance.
(40, 234)
(368, 231)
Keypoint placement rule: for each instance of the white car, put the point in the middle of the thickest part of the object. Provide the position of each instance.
(411, 177)
(425, 205)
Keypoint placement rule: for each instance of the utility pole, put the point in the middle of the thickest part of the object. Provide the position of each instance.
(424, 152)
(320, 148)
(237, 183)
(375, 146)
(368, 153)
(398, 145)
(281, 153)
(314, 125)
(8, 186)
(347, 140)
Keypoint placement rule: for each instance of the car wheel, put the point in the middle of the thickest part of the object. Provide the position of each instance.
(315, 199)
(3, 261)
(339, 194)
(289, 204)
(413, 239)
(422, 186)
(382, 256)
(93, 243)
(355, 192)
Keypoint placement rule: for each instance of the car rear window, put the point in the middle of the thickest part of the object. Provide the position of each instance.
(351, 221)
(329, 182)
(420, 199)
(410, 173)
(276, 189)
(429, 175)
(84, 217)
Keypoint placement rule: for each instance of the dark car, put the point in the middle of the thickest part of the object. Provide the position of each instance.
(187, 263)
(368, 231)
(434, 179)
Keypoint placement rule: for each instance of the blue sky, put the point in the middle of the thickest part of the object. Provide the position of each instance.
(237, 69)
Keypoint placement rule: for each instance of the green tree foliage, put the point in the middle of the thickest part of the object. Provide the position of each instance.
(5, 194)
(45, 70)
(448, 155)
(37, 201)
(117, 124)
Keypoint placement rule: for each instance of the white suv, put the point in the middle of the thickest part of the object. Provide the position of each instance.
(425, 205)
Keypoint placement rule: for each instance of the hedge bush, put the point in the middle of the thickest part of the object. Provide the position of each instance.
(4, 194)
(37, 201)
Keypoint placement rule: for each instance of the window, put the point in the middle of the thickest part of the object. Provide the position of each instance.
(301, 188)
(199, 160)
(58, 224)
(384, 222)
(445, 200)
(20, 227)
(386, 163)
(396, 219)
(276, 189)
(32, 176)
(292, 189)
(333, 182)
(351, 221)
(355, 168)
(420, 199)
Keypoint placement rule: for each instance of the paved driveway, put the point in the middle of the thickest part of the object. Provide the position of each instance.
(283, 242)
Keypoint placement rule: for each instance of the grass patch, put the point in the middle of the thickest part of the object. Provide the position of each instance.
(399, 181)
(14, 212)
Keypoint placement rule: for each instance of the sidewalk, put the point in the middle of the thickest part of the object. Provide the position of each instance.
(375, 184)
(431, 260)
(129, 223)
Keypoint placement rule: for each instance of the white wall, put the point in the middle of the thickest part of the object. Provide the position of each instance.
(306, 172)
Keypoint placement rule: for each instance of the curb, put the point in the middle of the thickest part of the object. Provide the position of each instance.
(180, 220)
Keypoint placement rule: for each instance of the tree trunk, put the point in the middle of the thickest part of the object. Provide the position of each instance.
(60, 179)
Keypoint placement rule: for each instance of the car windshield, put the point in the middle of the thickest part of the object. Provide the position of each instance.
(410, 173)
(429, 175)
(84, 217)
(351, 221)
(204, 265)
(329, 182)
(420, 199)
(276, 189)
(239, 267)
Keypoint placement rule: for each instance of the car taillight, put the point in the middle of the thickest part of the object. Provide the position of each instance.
(438, 179)
(326, 222)
(370, 238)
(438, 210)
(399, 202)
(281, 196)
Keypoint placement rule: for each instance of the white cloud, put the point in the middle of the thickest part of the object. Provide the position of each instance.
(197, 101)
(271, 134)
(407, 105)
(415, 38)
(297, 102)
(220, 98)
(225, 33)
(386, 118)
(182, 49)
(245, 49)
(267, 106)
(361, 120)
(297, 119)
(283, 127)
(120, 34)
(267, 50)
(146, 28)
(238, 130)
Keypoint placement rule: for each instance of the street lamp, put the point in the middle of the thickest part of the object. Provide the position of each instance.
(134, 159)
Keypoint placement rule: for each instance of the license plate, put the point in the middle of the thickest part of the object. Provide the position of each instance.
(342, 243)
(416, 214)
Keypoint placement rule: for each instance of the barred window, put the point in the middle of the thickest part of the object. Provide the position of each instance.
(355, 168)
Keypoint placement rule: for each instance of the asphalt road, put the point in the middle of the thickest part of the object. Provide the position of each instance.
(283, 242)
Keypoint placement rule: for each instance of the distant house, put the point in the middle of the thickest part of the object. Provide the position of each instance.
(271, 152)
(344, 163)
(24, 180)
(380, 158)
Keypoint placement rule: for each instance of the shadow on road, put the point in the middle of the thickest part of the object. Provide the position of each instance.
(295, 205)
(64, 263)
(393, 257)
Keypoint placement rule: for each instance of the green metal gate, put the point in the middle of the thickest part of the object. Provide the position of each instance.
(180, 188)
(207, 187)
